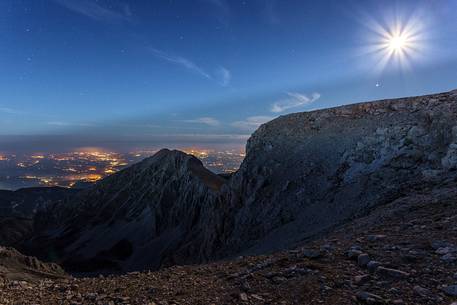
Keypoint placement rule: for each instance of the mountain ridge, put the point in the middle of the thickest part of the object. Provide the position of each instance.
(303, 174)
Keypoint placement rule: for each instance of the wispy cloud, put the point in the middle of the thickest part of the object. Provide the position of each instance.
(181, 61)
(221, 76)
(252, 122)
(204, 120)
(224, 76)
(294, 100)
(9, 110)
(69, 124)
(95, 11)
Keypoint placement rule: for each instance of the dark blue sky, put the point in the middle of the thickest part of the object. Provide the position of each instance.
(208, 70)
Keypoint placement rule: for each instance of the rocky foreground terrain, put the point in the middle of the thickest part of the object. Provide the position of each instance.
(402, 253)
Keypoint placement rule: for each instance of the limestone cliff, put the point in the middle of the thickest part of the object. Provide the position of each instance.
(306, 172)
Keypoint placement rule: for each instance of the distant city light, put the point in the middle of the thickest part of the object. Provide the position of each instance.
(92, 165)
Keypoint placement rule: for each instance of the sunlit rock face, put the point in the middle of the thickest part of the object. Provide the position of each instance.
(306, 172)
(303, 173)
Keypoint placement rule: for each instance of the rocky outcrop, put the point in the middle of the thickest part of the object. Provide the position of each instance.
(306, 172)
(15, 266)
(303, 174)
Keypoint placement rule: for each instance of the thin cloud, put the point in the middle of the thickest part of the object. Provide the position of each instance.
(222, 75)
(251, 122)
(95, 11)
(294, 100)
(180, 61)
(9, 110)
(204, 120)
(66, 124)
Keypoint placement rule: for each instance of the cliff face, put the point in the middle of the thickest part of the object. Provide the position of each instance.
(306, 172)
(303, 174)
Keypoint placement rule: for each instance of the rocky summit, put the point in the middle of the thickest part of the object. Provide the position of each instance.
(348, 205)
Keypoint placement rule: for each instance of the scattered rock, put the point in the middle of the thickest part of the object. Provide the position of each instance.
(363, 259)
(311, 253)
(369, 298)
(243, 297)
(424, 292)
(375, 237)
(361, 279)
(437, 244)
(449, 258)
(445, 250)
(354, 252)
(395, 273)
(451, 290)
(373, 265)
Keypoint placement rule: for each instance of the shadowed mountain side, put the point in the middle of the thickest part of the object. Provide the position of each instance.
(145, 216)
(18, 209)
(25, 202)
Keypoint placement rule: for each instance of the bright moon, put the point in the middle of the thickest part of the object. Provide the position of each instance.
(398, 43)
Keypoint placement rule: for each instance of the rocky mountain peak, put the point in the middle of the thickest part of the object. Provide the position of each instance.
(178, 161)
(154, 206)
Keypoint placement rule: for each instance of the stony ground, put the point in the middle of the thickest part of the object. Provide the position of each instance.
(403, 253)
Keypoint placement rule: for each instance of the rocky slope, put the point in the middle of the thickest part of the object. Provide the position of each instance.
(154, 213)
(402, 253)
(304, 173)
(16, 267)
(18, 209)
(25, 202)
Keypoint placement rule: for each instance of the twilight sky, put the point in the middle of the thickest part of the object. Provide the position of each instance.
(139, 73)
